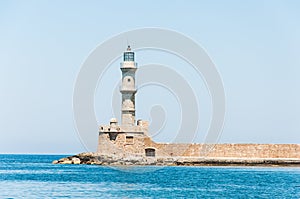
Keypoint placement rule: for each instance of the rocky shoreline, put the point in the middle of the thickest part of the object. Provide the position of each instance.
(93, 158)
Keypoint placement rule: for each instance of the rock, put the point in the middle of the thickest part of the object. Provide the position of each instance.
(114, 163)
(150, 160)
(65, 162)
(76, 160)
(128, 163)
(55, 162)
(64, 159)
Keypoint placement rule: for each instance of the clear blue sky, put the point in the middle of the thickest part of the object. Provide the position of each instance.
(254, 44)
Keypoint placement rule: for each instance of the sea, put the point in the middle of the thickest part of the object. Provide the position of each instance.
(33, 176)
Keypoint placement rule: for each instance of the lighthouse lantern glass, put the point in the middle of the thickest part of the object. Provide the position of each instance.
(129, 56)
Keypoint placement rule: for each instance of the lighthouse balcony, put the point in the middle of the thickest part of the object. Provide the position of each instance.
(127, 90)
(109, 128)
(128, 64)
(136, 129)
(128, 110)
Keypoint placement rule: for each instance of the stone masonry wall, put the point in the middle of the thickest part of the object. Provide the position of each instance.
(122, 148)
(228, 150)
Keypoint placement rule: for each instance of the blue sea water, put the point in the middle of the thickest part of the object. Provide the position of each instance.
(33, 176)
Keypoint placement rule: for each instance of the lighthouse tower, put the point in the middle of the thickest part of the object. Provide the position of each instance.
(129, 137)
(128, 90)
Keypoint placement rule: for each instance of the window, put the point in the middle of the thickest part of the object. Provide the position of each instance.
(150, 152)
(129, 139)
(129, 56)
(113, 136)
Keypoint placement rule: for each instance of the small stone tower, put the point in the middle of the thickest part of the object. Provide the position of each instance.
(128, 90)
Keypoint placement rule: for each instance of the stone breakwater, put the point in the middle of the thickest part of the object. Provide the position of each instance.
(192, 154)
(94, 158)
(97, 159)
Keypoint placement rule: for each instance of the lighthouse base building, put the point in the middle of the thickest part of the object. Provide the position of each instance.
(123, 141)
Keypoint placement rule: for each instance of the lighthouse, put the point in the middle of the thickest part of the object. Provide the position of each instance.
(131, 136)
(128, 90)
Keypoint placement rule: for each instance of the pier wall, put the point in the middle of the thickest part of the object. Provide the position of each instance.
(228, 150)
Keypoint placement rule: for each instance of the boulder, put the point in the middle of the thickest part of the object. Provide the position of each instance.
(76, 160)
(65, 162)
(55, 162)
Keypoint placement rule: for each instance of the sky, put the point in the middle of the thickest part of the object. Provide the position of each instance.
(255, 46)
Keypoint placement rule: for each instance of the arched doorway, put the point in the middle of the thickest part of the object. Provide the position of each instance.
(150, 152)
